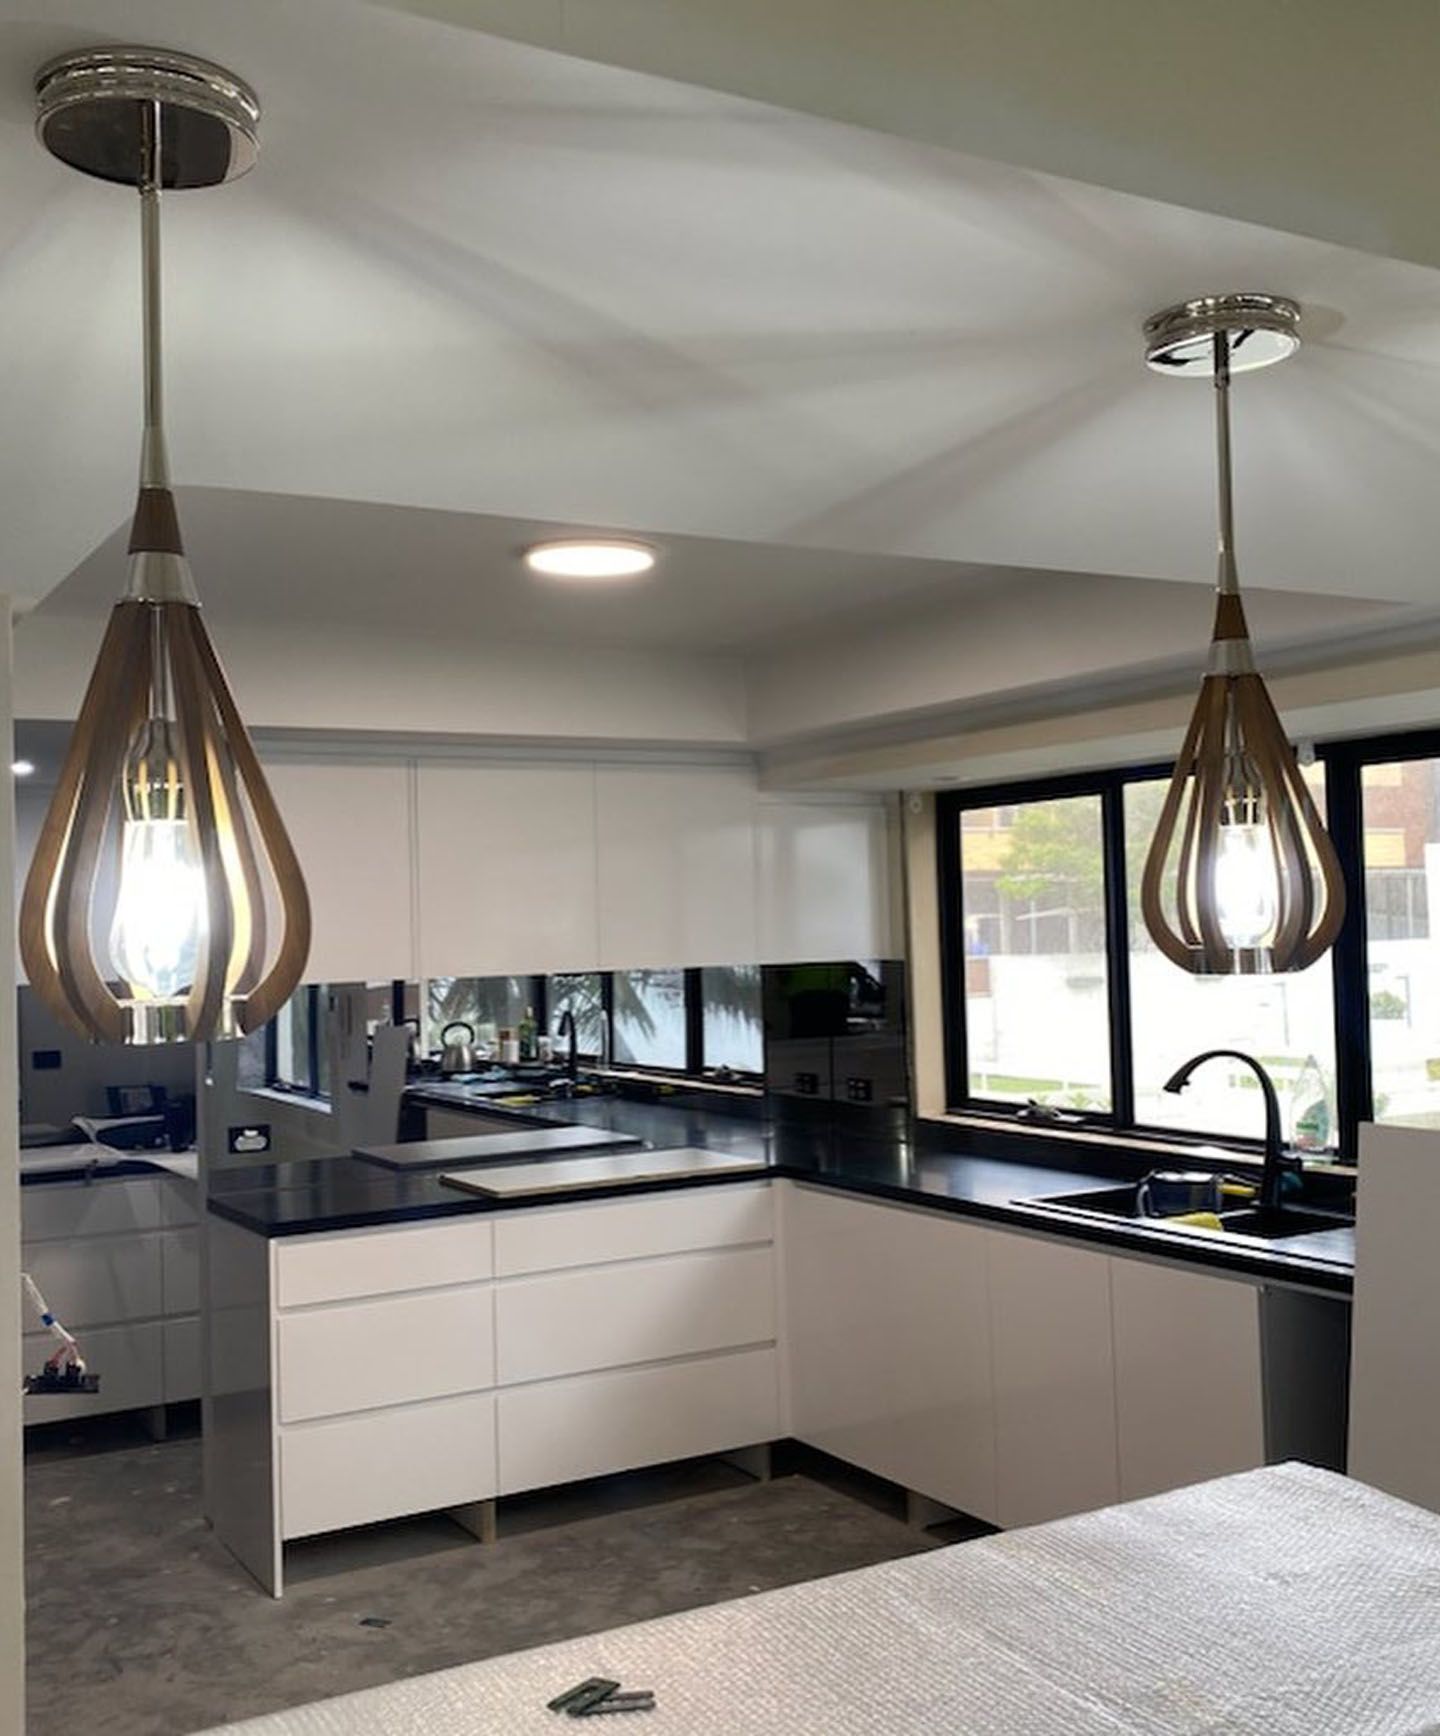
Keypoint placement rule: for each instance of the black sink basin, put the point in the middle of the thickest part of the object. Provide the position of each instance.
(1275, 1224)
(1263, 1222)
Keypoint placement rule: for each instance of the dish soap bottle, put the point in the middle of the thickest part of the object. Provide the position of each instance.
(1310, 1108)
(526, 1034)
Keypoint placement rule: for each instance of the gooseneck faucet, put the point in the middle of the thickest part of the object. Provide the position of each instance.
(1278, 1162)
(565, 1027)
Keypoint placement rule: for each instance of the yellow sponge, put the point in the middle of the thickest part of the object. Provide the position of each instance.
(1198, 1220)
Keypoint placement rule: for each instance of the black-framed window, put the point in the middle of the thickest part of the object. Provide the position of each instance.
(1054, 992)
(296, 1044)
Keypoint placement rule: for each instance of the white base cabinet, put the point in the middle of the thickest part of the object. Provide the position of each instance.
(1189, 1397)
(1016, 1377)
(887, 1343)
(437, 1365)
(116, 1258)
(1050, 1324)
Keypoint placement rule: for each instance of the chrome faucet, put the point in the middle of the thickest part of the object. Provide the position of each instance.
(1278, 1161)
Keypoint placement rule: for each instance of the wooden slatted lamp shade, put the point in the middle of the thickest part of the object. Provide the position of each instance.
(1241, 875)
(209, 925)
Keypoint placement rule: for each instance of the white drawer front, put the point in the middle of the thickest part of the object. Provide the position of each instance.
(61, 1211)
(179, 1200)
(356, 1470)
(180, 1269)
(608, 1316)
(630, 1229)
(364, 1354)
(333, 1268)
(128, 1359)
(98, 1280)
(182, 1359)
(597, 1423)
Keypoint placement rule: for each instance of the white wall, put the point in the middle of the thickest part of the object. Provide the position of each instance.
(335, 678)
(12, 1584)
(1022, 634)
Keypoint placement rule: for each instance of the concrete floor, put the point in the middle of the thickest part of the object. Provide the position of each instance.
(140, 1623)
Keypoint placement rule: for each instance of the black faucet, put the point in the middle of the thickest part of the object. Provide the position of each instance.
(565, 1027)
(1278, 1162)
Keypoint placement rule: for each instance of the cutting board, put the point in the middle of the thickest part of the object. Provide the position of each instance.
(566, 1174)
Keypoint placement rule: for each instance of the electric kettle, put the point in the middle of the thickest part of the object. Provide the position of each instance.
(457, 1056)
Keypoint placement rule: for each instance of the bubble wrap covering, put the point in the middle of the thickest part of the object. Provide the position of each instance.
(1283, 1602)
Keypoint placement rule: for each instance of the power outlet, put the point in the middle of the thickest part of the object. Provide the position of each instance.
(860, 1090)
(248, 1141)
(807, 1084)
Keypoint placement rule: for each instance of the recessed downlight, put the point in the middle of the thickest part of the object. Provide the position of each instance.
(23, 768)
(591, 558)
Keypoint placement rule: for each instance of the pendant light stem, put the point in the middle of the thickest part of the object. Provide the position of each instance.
(1227, 580)
(154, 460)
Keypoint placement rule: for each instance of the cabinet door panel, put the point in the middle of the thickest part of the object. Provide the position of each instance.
(360, 1355)
(99, 1280)
(1189, 1401)
(638, 1311)
(507, 869)
(889, 1343)
(67, 1210)
(676, 866)
(350, 825)
(128, 1359)
(632, 1229)
(558, 1431)
(1054, 1379)
(824, 880)
(356, 1470)
(353, 1263)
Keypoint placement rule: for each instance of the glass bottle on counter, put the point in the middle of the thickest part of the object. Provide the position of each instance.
(527, 1032)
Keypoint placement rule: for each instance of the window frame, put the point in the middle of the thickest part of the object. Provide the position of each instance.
(310, 1085)
(1344, 762)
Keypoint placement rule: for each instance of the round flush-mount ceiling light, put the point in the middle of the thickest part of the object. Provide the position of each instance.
(591, 558)
(22, 768)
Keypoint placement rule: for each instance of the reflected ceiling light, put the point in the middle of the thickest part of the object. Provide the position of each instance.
(160, 775)
(1254, 884)
(23, 768)
(591, 558)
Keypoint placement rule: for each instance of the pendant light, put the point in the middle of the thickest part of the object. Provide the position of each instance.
(1254, 884)
(163, 863)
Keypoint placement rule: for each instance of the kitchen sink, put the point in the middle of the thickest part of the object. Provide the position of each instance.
(1262, 1222)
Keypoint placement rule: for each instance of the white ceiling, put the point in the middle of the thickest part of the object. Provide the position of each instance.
(482, 279)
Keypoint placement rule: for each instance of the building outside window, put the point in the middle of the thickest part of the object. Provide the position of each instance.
(650, 1019)
(732, 1031)
(1033, 909)
(1402, 862)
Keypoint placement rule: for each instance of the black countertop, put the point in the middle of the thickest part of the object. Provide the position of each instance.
(942, 1168)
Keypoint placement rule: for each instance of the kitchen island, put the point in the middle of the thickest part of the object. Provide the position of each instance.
(384, 1343)
(1284, 1602)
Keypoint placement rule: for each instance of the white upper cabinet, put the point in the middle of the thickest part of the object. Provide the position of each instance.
(676, 870)
(506, 865)
(824, 880)
(350, 825)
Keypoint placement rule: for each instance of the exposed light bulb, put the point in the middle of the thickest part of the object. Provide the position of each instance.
(1247, 897)
(160, 914)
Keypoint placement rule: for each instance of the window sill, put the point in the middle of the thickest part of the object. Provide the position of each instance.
(1139, 1143)
(687, 1081)
(296, 1099)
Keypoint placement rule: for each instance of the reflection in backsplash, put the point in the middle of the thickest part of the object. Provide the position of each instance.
(836, 1032)
(63, 1075)
(831, 1031)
